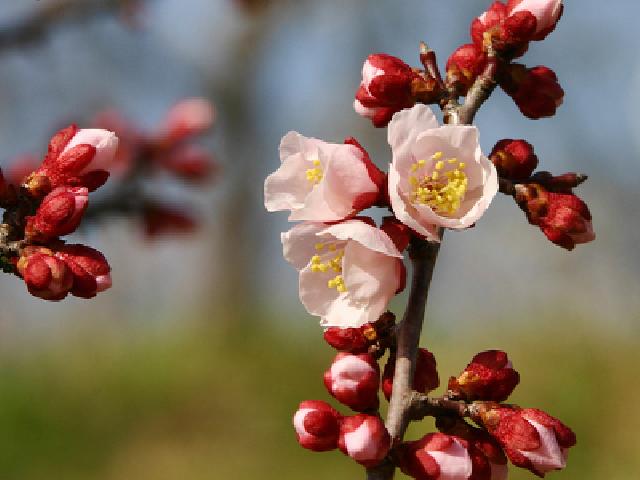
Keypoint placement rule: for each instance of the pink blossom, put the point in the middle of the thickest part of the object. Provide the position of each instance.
(365, 439)
(547, 13)
(439, 176)
(319, 181)
(348, 272)
(354, 380)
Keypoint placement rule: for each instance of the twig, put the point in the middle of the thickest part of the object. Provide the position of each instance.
(404, 403)
(47, 15)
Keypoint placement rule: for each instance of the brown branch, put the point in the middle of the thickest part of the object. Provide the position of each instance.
(407, 405)
(479, 92)
(35, 26)
(423, 256)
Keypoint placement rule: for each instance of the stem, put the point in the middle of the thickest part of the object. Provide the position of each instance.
(423, 255)
(404, 402)
(37, 25)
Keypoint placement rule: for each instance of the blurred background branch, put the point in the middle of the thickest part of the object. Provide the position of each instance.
(49, 14)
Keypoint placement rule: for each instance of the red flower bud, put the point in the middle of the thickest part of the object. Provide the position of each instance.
(545, 12)
(190, 162)
(73, 153)
(464, 66)
(187, 118)
(350, 340)
(482, 442)
(91, 272)
(489, 376)
(354, 381)
(437, 456)
(365, 439)
(514, 159)
(531, 438)
(563, 217)
(46, 276)
(536, 91)
(59, 213)
(388, 86)
(425, 378)
(508, 34)
(317, 426)
(164, 220)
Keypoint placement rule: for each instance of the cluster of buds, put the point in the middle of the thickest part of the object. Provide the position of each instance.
(547, 200)
(50, 203)
(476, 447)
(168, 149)
(498, 36)
(350, 267)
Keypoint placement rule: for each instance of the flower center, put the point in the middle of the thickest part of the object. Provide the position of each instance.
(332, 261)
(314, 175)
(443, 189)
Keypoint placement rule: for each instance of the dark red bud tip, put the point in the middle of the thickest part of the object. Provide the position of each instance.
(464, 66)
(535, 91)
(425, 378)
(514, 159)
(317, 426)
(490, 377)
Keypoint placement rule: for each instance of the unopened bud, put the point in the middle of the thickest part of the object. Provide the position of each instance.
(91, 271)
(317, 426)
(535, 91)
(187, 118)
(438, 456)
(354, 381)
(46, 276)
(425, 378)
(387, 87)
(464, 66)
(490, 376)
(365, 439)
(59, 213)
(532, 439)
(514, 159)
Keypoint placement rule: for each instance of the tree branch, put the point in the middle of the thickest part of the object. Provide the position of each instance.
(37, 24)
(423, 256)
(407, 405)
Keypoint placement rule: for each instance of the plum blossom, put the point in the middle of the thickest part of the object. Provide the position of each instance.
(319, 181)
(439, 177)
(348, 271)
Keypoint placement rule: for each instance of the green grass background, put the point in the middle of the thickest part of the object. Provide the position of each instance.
(200, 402)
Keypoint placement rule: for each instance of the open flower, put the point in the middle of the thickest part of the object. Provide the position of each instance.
(439, 177)
(348, 272)
(321, 181)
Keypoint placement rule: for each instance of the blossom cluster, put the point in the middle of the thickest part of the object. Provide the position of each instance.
(350, 267)
(50, 203)
(168, 149)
